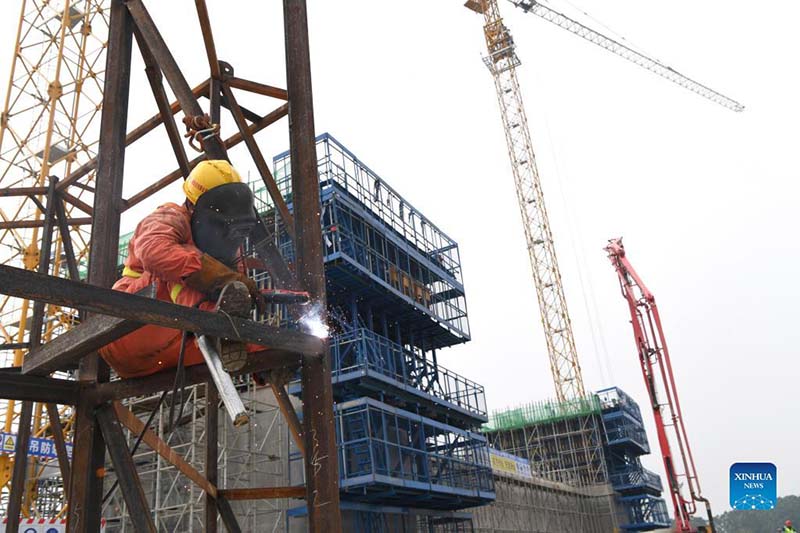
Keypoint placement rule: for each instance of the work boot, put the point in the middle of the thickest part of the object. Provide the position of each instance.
(234, 300)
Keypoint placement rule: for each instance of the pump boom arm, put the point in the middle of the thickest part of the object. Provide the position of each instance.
(660, 382)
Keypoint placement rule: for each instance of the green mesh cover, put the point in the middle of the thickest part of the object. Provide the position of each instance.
(541, 412)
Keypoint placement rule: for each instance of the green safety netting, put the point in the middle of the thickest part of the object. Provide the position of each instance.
(541, 412)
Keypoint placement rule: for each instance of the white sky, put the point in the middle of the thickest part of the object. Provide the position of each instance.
(704, 197)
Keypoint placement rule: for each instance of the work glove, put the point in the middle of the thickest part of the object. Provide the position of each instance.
(214, 275)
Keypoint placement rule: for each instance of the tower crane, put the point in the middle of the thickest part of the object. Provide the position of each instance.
(502, 61)
(49, 126)
(657, 371)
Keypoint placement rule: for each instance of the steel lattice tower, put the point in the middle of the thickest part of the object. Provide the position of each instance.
(48, 127)
(502, 61)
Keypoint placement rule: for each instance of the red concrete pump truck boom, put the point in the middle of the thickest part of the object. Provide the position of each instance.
(660, 383)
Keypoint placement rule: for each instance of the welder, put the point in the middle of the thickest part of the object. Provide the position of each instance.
(193, 254)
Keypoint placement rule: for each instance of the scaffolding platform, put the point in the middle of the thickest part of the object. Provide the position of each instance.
(395, 457)
(644, 513)
(365, 363)
(640, 504)
(380, 250)
(623, 422)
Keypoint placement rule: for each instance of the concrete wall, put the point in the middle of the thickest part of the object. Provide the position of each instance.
(541, 506)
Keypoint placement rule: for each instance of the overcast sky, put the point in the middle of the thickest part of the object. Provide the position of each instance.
(705, 198)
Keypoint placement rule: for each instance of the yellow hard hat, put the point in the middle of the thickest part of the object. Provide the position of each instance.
(207, 175)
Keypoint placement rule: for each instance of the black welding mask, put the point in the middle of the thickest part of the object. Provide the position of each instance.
(223, 217)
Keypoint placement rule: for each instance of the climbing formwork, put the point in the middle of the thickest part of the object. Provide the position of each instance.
(641, 507)
(46, 366)
(408, 448)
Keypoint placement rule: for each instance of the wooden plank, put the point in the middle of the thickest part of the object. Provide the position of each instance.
(132, 422)
(129, 483)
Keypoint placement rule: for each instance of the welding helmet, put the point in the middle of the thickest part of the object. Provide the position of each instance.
(223, 214)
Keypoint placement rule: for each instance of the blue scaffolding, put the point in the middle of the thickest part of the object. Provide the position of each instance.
(391, 456)
(406, 427)
(639, 489)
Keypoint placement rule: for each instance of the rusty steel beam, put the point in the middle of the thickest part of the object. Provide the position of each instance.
(22, 191)
(66, 293)
(137, 133)
(22, 224)
(128, 478)
(263, 493)
(213, 146)
(161, 381)
(20, 387)
(66, 241)
(227, 515)
(154, 77)
(211, 454)
(132, 422)
(258, 88)
(68, 348)
(58, 438)
(37, 315)
(230, 142)
(20, 467)
(77, 202)
(287, 409)
(252, 116)
(208, 38)
(258, 159)
(86, 485)
(320, 459)
(215, 101)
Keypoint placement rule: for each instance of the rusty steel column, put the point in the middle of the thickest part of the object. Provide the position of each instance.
(321, 464)
(86, 485)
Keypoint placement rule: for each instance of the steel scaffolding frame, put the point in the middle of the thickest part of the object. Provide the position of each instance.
(249, 456)
(564, 443)
(99, 415)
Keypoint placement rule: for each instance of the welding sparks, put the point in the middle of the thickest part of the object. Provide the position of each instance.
(313, 324)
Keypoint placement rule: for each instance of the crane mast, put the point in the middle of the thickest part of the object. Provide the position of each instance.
(49, 126)
(657, 371)
(502, 61)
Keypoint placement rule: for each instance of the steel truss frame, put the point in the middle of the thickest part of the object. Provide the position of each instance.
(100, 418)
